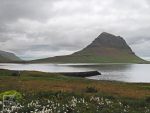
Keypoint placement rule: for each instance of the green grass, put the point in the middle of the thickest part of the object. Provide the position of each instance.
(17, 95)
(146, 87)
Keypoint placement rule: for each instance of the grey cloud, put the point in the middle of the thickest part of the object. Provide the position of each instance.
(37, 28)
(32, 9)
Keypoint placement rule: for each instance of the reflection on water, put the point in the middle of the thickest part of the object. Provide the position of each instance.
(118, 72)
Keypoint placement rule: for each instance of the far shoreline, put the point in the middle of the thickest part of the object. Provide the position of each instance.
(74, 75)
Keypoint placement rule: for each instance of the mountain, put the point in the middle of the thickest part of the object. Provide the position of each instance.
(106, 48)
(7, 57)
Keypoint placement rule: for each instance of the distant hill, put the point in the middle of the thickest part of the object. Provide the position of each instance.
(6, 57)
(106, 48)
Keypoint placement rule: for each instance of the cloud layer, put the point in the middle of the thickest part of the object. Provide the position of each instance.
(36, 28)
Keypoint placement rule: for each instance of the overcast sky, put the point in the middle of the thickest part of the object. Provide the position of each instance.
(43, 28)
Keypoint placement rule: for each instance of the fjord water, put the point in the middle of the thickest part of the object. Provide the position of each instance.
(116, 72)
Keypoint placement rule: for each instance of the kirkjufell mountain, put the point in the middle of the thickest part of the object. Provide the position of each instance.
(7, 57)
(106, 48)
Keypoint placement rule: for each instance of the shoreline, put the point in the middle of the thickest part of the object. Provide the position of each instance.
(82, 74)
(74, 75)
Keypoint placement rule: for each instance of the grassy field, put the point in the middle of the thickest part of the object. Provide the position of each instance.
(44, 87)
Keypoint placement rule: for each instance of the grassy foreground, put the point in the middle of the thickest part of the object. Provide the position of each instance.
(55, 93)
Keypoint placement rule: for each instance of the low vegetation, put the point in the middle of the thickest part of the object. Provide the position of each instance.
(55, 93)
(62, 102)
(16, 94)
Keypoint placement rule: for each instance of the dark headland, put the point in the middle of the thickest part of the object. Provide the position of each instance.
(81, 74)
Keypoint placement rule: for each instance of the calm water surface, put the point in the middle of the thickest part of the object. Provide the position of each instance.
(117, 72)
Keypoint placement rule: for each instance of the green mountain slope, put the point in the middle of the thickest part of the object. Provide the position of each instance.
(106, 48)
(6, 57)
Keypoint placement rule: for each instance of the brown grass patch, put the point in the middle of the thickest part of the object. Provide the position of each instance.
(111, 88)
